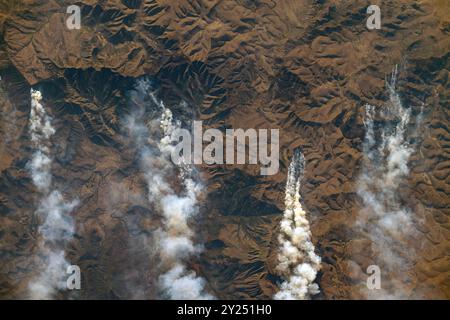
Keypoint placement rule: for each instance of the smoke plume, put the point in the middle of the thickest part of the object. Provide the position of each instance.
(40, 130)
(155, 141)
(386, 221)
(298, 264)
(57, 227)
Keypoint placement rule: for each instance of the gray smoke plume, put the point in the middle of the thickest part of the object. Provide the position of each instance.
(298, 263)
(385, 220)
(57, 227)
(175, 238)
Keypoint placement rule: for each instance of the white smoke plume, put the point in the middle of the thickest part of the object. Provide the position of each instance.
(175, 238)
(40, 130)
(57, 227)
(298, 264)
(181, 284)
(388, 224)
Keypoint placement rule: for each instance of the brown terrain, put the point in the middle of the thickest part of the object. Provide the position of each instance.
(305, 67)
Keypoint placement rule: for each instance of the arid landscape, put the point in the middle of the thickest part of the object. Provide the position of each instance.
(311, 69)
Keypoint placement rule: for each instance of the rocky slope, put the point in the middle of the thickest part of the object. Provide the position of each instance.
(305, 67)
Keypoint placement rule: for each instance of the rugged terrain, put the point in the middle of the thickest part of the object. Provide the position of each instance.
(304, 67)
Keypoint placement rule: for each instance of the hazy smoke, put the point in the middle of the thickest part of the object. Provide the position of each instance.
(385, 220)
(181, 284)
(57, 227)
(50, 280)
(298, 263)
(58, 224)
(175, 238)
